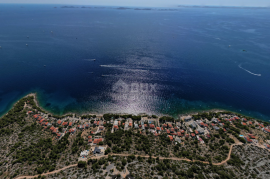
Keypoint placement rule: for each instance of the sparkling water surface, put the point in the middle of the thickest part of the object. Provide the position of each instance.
(101, 60)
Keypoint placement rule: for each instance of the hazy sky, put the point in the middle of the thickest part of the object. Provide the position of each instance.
(152, 3)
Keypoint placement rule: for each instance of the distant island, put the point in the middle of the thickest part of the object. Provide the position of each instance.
(221, 144)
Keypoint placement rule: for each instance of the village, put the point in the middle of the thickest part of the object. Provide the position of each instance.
(93, 129)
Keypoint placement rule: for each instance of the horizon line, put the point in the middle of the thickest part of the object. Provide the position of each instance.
(124, 6)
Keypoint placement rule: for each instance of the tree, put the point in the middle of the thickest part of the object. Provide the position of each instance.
(82, 164)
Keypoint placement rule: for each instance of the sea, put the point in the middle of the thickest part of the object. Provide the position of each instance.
(163, 61)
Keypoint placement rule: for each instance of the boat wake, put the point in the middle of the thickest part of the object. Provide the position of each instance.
(248, 71)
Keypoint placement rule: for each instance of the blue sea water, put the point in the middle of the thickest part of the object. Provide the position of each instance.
(146, 61)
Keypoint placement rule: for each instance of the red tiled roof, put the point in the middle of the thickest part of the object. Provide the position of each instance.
(70, 124)
(140, 126)
(187, 135)
(244, 124)
(171, 138)
(158, 128)
(162, 128)
(90, 141)
(168, 131)
(89, 137)
(192, 134)
(39, 118)
(172, 129)
(52, 128)
(130, 124)
(65, 124)
(98, 123)
(224, 130)
(196, 132)
(96, 141)
(152, 126)
(59, 122)
(250, 122)
(116, 127)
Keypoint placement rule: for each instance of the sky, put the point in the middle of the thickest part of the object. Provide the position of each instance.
(148, 3)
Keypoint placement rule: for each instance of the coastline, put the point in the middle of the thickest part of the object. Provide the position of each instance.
(193, 112)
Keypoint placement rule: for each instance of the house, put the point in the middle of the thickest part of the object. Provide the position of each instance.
(115, 127)
(90, 141)
(72, 131)
(70, 124)
(214, 120)
(248, 140)
(179, 134)
(224, 130)
(182, 131)
(221, 124)
(59, 135)
(64, 123)
(196, 132)
(251, 136)
(266, 130)
(145, 126)
(101, 128)
(168, 131)
(55, 130)
(158, 128)
(172, 130)
(171, 137)
(98, 150)
(87, 125)
(208, 136)
(193, 124)
(84, 153)
(192, 135)
(187, 118)
(152, 126)
(201, 131)
(59, 122)
(96, 141)
(170, 126)
(52, 128)
(216, 128)
(136, 126)
(249, 122)
(186, 136)
(244, 124)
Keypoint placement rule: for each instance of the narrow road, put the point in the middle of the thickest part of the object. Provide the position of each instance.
(55, 171)
(146, 156)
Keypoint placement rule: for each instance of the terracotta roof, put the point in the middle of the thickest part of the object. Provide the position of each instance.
(196, 132)
(70, 124)
(168, 131)
(192, 134)
(59, 122)
(90, 141)
(152, 126)
(158, 128)
(89, 137)
(65, 124)
(96, 141)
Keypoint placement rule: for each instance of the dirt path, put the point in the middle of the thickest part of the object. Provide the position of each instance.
(55, 171)
(146, 156)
